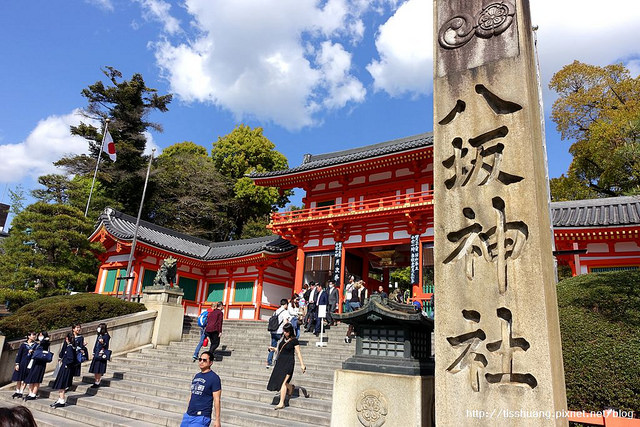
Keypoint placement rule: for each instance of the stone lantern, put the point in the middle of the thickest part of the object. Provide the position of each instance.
(389, 380)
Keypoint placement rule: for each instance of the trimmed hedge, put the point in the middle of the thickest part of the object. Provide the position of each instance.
(600, 325)
(63, 311)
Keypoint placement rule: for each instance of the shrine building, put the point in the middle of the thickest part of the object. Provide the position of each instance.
(368, 211)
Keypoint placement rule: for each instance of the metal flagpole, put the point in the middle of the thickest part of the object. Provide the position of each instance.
(129, 277)
(104, 134)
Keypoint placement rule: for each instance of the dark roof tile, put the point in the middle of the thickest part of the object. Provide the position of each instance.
(122, 226)
(605, 212)
(354, 154)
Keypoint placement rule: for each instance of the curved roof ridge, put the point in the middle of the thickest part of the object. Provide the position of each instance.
(122, 226)
(311, 162)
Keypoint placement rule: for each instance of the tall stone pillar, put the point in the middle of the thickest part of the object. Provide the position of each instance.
(498, 351)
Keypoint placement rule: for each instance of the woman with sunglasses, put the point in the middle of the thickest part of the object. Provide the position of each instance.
(285, 363)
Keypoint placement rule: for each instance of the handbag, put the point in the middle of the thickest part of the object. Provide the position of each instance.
(106, 355)
(42, 355)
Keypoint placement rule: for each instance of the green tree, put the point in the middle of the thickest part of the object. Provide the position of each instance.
(256, 227)
(190, 195)
(17, 198)
(598, 108)
(55, 189)
(236, 155)
(75, 192)
(570, 188)
(48, 250)
(127, 103)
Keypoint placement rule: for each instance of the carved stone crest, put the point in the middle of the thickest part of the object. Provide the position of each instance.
(372, 408)
(491, 21)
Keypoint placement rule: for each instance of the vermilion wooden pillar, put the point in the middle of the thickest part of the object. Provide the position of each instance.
(299, 270)
(256, 314)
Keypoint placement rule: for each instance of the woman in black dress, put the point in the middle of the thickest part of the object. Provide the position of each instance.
(285, 362)
(21, 368)
(65, 374)
(36, 373)
(99, 363)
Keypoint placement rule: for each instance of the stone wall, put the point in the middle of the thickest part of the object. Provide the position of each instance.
(127, 333)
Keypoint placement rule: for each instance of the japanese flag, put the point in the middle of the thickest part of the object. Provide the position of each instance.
(109, 147)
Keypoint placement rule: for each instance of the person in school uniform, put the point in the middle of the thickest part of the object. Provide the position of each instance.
(64, 379)
(99, 363)
(78, 343)
(36, 373)
(21, 369)
(206, 390)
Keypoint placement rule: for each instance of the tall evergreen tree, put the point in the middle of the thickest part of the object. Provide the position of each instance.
(48, 250)
(127, 103)
(190, 195)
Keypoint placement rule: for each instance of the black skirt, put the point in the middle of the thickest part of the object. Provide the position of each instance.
(75, 369)
(21, 373)
(36, 373)
(98, 365)
(64, 378)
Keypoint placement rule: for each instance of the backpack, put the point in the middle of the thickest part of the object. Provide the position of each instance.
(274, 322)
(202, 319)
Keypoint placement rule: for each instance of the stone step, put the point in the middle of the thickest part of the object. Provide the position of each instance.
(332, 347)
(77, 414)
(255, 353)
(319, 398)
(238, 379)
(174, 406)
(311, 380)
(315, 367)
(44, 419)
(244, 401)
(151, 386)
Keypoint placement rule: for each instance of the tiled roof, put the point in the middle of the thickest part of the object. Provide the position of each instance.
(123, 226)
(355, 154)
(606, 212)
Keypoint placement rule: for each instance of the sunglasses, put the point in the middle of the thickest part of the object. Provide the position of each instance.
(203, 360)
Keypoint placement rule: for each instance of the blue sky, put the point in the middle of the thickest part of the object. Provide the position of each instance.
(318, 76)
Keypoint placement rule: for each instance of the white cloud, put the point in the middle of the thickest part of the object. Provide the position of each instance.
(275, 60)
(404, 44)
(102, 4)
(159, 10)
(47, 143)
(584, 30)
(335, 63)
(151, 145)
(568, 30)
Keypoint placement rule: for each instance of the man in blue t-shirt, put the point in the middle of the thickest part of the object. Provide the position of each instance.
(205, 394)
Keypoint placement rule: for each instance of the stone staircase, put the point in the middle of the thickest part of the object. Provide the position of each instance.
(151, 387)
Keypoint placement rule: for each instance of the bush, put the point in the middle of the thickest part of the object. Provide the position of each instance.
(63, 311)
(600, 325)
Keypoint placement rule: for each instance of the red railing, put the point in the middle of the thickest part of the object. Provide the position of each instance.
(355, 208)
